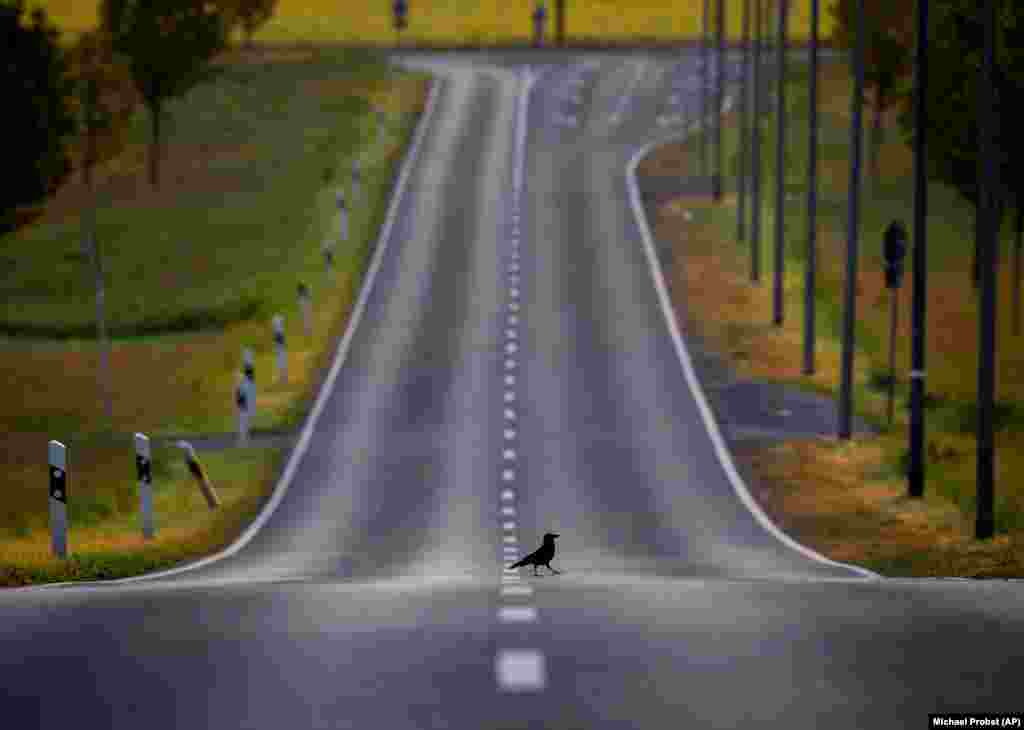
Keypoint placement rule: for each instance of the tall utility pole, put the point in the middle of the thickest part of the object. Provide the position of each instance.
(741, 174)
(719, 92)
(560, 23)
(780, 167)
(91, 240)
(989, 207)
(915, 475)
(850, 289)
(755, 153)
(811, 263)
(704, 91)
(744, 91)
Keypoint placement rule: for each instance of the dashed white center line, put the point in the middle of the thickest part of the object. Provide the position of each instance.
(511, 347)
(508, 495)
(514, 306)
(513, 319)
(510, 396)
(509, 511)
(509, 454)
(508, 525)
(508, 475)
(510, 433)
(510, 380)
(520, 590)
(510, 539)
(510, 364)
(520, 670)
(517, 613)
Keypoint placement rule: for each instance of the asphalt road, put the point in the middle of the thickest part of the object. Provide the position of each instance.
(373, 594)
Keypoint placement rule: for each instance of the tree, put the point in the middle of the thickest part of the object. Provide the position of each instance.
(954, 52)
(888, 55)
(168, 46)
(38, 119)
(249, 15)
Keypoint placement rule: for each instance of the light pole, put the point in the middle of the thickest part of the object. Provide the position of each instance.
(915, 475)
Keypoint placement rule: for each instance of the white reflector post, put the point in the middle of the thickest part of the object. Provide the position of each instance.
(144, 471)
(199, 473)
(244, 405)
(58, 499)
(282, 353)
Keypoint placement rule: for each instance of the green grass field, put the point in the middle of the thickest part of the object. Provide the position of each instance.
(195, 270)
(462, 22)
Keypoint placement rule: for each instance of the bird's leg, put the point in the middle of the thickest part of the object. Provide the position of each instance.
(553, 570)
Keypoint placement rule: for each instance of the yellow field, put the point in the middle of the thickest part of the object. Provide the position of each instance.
(469, 21)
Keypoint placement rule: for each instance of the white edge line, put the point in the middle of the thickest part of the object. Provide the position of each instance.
(325, 388)
(721, 450)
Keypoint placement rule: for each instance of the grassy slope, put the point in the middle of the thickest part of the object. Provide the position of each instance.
(254, 223)
(848, 499)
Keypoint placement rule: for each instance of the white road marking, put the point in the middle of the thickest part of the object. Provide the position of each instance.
(508, 475)
(508, 495)
(508, 614)
(520, 590)
(511, 347)
(510, 512)
(514, 292)
(520, 670)
(510, 433)
(513, 266)
(509, 396)
(509, 454)
(510, 364)
(511, 334)
(510, 380)
(513, 278)
(683, 354)
(514, 306)
(513, 319)
(509, 525)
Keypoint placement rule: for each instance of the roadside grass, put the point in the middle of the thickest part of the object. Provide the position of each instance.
(847, 500)
(468, 22)
(243, 228)
(104, 528)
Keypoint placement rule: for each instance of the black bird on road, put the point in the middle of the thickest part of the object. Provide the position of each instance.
(541, 556)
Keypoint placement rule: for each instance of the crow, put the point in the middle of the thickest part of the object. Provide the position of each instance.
(541, 556)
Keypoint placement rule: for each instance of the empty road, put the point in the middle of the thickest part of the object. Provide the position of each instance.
(512, 372)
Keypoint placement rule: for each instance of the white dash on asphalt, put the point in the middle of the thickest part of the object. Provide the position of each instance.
(513, 266)
(511, 347)
(510, 380)
(517, 613)
(509, 454)
(508, 495)
(510, 414)
(513, 319)
(513, 278)
(508, 475)
(509, 512)
(510, 539)
(519, 590)
(511, 334)
(509, 396)
(514, 306)
(514, 292)
(520, 669)
(509, 364)
(509, 525)
(510, 433)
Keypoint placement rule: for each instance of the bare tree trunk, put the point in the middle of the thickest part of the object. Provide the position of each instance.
(876, 140)
(154, 147)
(1018, 242)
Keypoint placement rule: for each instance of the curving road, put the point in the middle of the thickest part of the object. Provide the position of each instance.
(512, 372)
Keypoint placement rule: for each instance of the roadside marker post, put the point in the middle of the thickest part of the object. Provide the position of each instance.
(306, 305)
(144, 471)
(58, 499)
(243, 403)
(282, 353)
(197, 471)
(894, 249)
(342, 217)
(249, 386)
(355, 180)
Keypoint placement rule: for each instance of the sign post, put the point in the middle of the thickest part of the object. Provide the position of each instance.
(282, 353)
(58, 499)
(143, 468)
(895, 248)
(196, 469)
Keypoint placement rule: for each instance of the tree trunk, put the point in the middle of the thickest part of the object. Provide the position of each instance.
(154, 147)
(1016, 265)
(876, 140)
(975, 263)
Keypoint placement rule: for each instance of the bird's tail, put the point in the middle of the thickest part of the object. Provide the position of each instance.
(520, 564)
